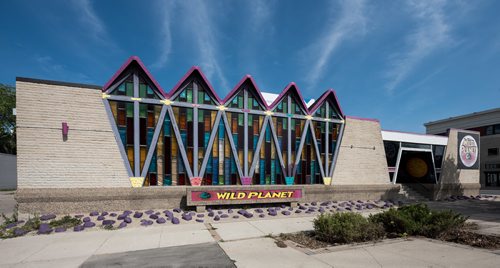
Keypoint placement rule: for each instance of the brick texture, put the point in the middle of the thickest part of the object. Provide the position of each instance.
(361, 158)
(90, 156)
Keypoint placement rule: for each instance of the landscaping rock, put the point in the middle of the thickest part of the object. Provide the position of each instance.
(20, 232)
(224, 216)
(216, 218)
(153, 216)
(122, 225)
(248, 215)
(104, 213)
(175, 220)
(200, 215)
(161, 220)
(237, 217)
(314, 203)
(45, 229)
(100, 218)
(47, 217)
(93, 213)
(187, 217)
(108, 222)
(258, 210)
(285, 212)
(89, 224)
(86, 219)
(149, 212)
(199, 220)
(272, 213)
(112, 215)
(262, 215)
(229, 211)
(79, 216)
(138, 214)
(298, 211)
(210, 214)
(78, 228)
(60, 230)
(127, 220)
(147, 223)
(178, 210)
(121, 217)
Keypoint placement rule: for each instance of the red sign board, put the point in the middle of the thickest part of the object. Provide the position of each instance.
(227, 195)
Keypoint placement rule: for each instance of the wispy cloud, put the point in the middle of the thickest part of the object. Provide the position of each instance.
(432, 33)
(91, 24)
(350, 21)
(201, 20)
(260, 12)
(166, 9)
(54, 70)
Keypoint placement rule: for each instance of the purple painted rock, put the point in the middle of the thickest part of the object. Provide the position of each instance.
(268, 210)
(237, 217)
(219, 212)
(314, 203)
(178, 210)
(298, 211)
(169, 214)
(128, 212)
(359, 208)
(216, 218)
(285, 212)
(324, 204)
(261, 215)
(86, 219)
(157, 213)
(224, 216)
(122, 225)
(229, 211)
(78, 228)
(308, 212)
(79, 216)
(161, 220)
(104, 213)
(359, 201)
(89, 224)
(187, 217)
(241, 211)
(147, 223)
(175, 220)
(149, 212)
(112, 215)
(108, 222)
(321, 210)
(45, 229)
(100, 218)
(192, 213)
(153, 216)
(302, 207)
(11, 225)
(278, 209)
(290, 209)
(209, 209)
(60, 230)
(127, 220)
(47, 217)
(121, 217)
(369, 206)
(94, 213)
(258, 210)
(272, 213)
(306, 204)
(199, 220)
(283, 206)
(248, 215)
(348, 208)
(20, 232)
(138, 214)
(210, 214)
(200, 215)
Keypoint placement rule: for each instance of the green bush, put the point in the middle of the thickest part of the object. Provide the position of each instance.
(418, 219)
(66, 222)
(346, 228)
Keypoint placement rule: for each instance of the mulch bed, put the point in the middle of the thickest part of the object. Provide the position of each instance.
(466, 236)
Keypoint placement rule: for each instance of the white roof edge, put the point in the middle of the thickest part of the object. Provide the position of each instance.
(414, 137)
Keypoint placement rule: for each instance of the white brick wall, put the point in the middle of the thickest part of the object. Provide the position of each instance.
(361, 164)
(88, 158)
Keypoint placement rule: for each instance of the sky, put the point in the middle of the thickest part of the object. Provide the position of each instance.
(402, 62)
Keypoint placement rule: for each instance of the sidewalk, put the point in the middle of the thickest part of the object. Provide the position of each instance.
(245, 242)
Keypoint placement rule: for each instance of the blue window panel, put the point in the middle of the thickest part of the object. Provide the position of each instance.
(206, 139)
(227, 171)
(273, 172)
(167, 180)
(166, 127)
(123, 134)
(150, 136)
(152, 165)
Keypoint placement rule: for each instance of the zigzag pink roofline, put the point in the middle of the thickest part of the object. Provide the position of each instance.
(196, 69)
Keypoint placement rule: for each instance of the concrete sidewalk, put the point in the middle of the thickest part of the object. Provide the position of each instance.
(245, 242)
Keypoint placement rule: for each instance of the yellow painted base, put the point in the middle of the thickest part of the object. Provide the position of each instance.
(327, 180)
(137, 182)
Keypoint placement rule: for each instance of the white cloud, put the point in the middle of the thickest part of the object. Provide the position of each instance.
(166, 9)
(350, 22)
(90, 22)
(200, 20)
(260, 12)
(432, 33)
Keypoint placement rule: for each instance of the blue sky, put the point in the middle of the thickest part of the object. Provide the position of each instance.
(403, 62)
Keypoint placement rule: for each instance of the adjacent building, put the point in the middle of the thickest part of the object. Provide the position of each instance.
(487, 123)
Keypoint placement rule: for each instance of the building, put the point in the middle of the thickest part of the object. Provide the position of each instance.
(487, 123)
(132, 145)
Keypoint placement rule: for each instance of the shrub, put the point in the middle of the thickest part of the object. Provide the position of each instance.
(66, 222)
(346, 228)
(418, 219)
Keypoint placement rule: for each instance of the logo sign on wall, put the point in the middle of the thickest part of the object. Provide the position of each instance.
(468, 150)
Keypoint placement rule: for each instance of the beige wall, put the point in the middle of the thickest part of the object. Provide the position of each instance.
(88, 158)
(455, 181)
(361, 164)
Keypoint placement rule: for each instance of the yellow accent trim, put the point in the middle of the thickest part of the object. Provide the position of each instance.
(268, 113)
(105, 96)
(136, 99)
(136, 182)
(222, 108)
(327, 180)
(167, 102)
(308, 117)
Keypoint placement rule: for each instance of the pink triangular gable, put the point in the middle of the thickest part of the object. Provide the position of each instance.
(129, 62)
(293, 89)
(328, 95)
(248, 79)
(193, 71)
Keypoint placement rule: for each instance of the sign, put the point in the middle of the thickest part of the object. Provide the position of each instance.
(276, 195)
(468, 150)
